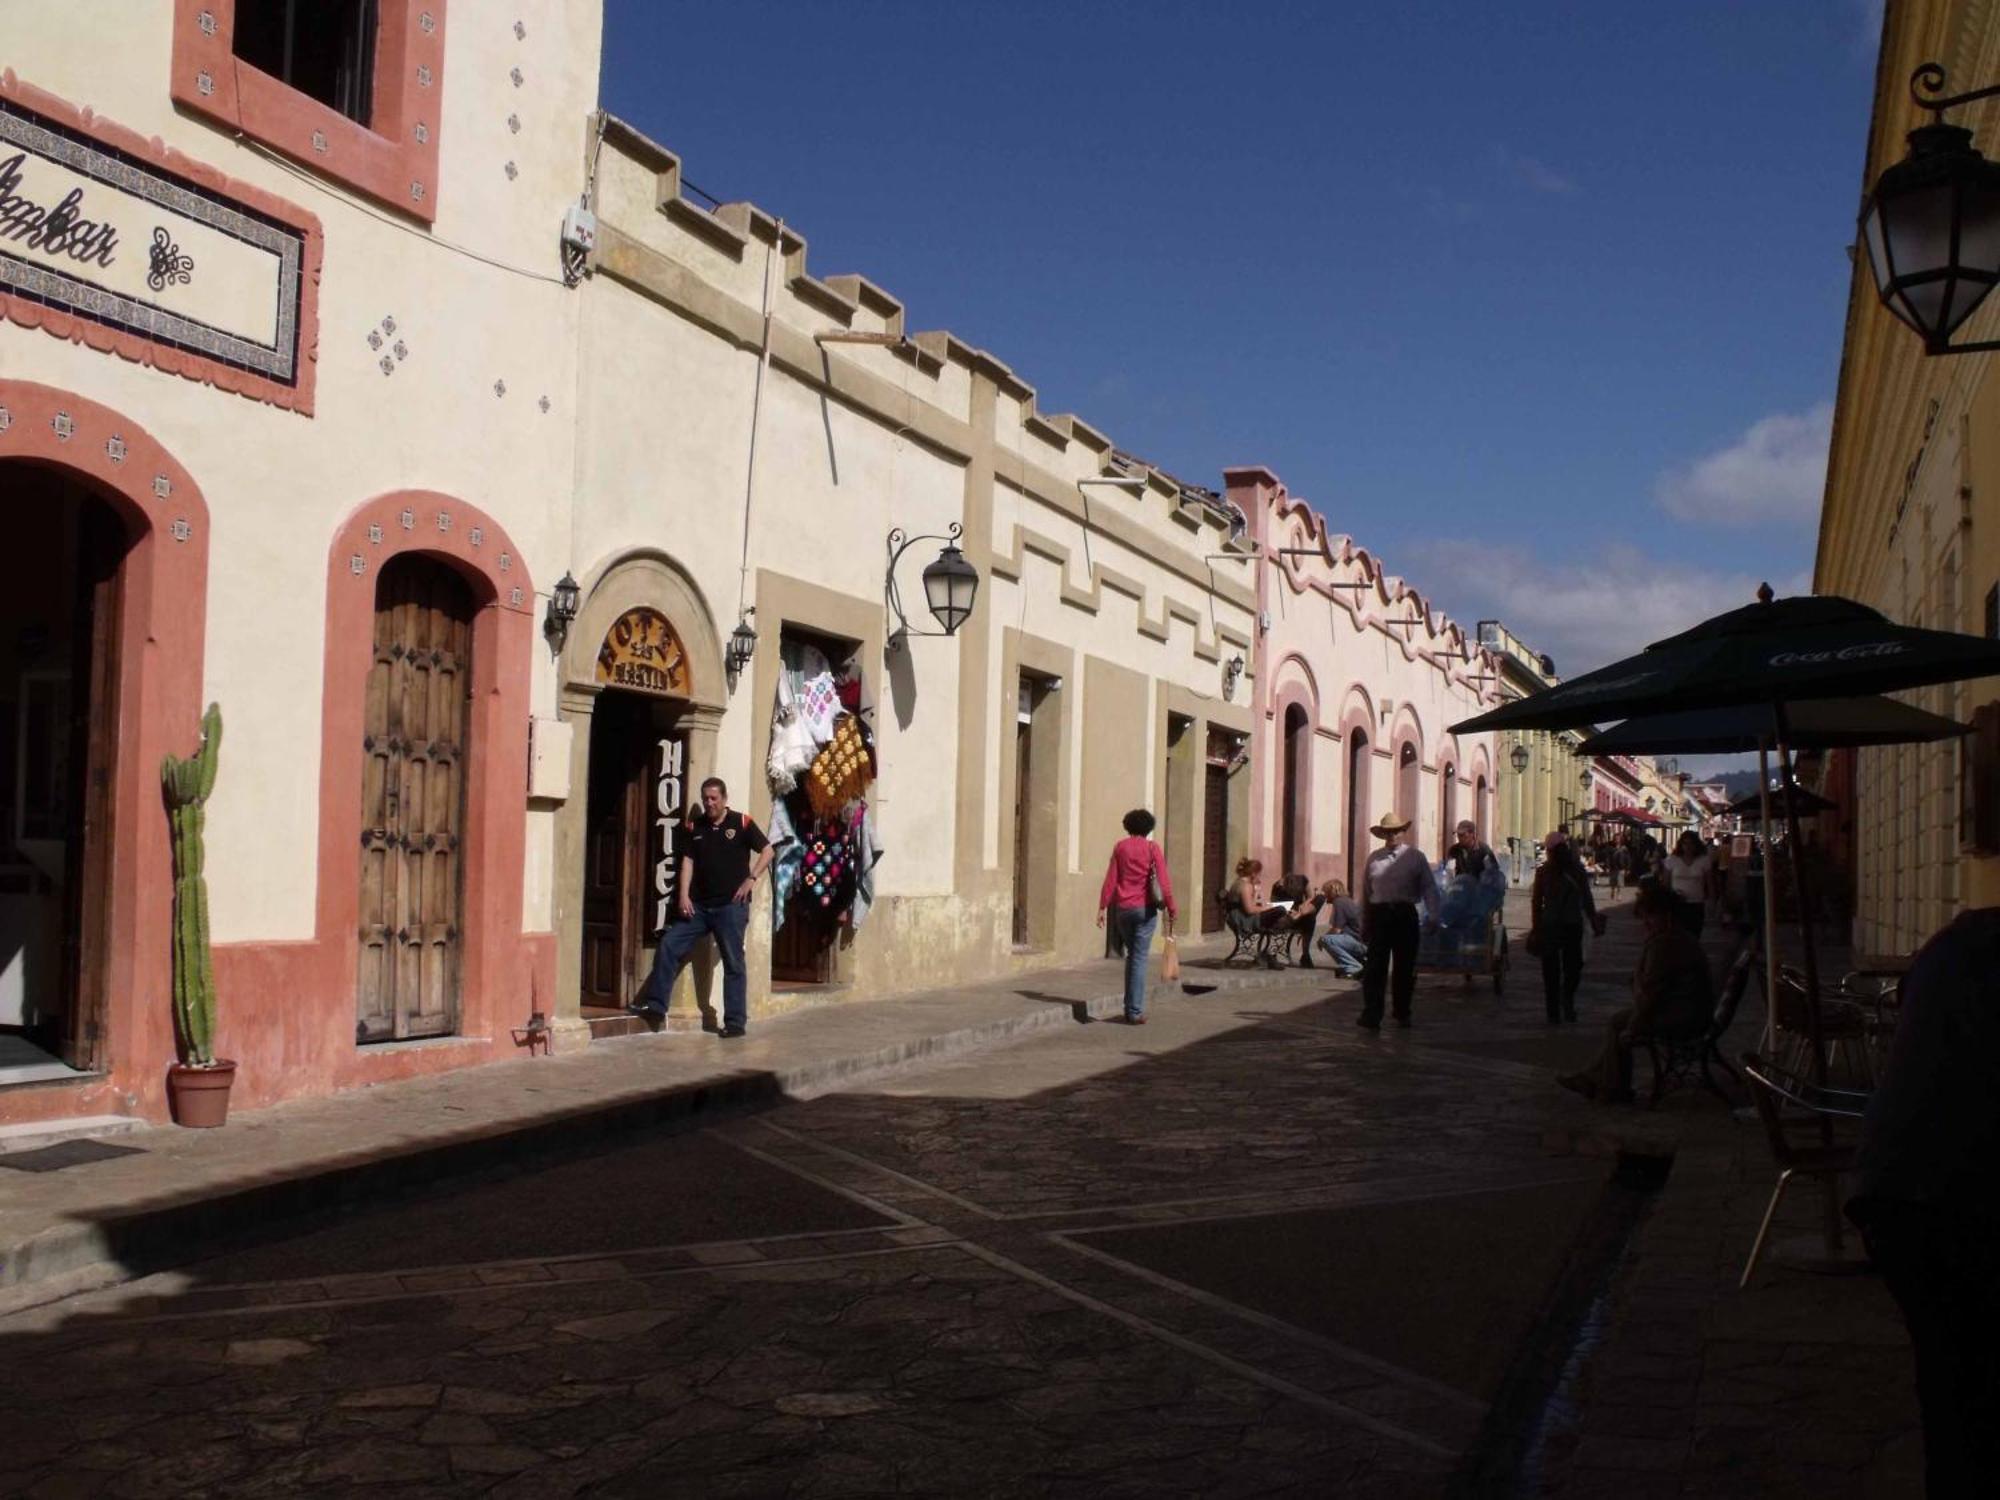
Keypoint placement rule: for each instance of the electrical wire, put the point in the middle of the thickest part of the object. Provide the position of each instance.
(424, 235)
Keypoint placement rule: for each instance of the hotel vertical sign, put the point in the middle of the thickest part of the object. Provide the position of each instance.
(669, 813)
(188, 270)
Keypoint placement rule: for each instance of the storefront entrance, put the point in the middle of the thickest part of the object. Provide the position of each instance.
(636, 802)
(59, 625)
(637, 799)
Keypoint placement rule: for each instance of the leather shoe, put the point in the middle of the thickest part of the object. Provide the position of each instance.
(730, 1033)
(1373, 1023)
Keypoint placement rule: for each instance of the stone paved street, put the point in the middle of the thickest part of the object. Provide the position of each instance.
(1247, 1250)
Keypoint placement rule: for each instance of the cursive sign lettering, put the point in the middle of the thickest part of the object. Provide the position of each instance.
(60, 229)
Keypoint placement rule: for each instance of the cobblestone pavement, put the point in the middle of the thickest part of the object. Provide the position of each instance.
(1246, 1250)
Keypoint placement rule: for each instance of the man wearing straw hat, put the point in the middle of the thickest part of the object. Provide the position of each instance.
(1396, 879)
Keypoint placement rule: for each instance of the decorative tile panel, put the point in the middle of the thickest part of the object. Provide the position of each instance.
(375, 532)
(162, 486)
(357, 564)
(64, 425)
(114, 448)
(180, 530)
(409, 520)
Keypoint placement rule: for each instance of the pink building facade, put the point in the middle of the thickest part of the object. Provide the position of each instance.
(1357, 678)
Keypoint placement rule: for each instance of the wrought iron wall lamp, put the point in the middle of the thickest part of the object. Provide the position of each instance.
(563, 601)
(951, 584)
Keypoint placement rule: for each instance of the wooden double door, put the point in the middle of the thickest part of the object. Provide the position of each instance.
(415, 744)
(638, 798)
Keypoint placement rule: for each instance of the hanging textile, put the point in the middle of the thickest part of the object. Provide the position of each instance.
(792, 744)
(841, 771)
(867, 854)
(788, 861)
(826, 876)
(818, 703)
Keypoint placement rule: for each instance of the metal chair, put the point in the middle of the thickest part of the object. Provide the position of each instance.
(1772, 1089)
(1844, 1029)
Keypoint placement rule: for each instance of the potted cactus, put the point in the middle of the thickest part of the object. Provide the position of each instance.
(198, 1085)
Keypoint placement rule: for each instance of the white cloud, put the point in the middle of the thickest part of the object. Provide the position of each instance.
(1538, 175)
(1774, 473)
(1866, 17)
(1583, 612)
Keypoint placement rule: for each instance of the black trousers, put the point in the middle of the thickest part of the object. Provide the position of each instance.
(1945, 1275)
(1392, 934)
(1562, 969)
(1692, 915)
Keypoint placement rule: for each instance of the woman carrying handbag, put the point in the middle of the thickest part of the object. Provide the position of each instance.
(1136, 885)
(1560, 907)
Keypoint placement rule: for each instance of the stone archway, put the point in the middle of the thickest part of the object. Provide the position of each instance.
(650, 587)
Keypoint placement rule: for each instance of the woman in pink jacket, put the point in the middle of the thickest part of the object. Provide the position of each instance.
(1129, 881)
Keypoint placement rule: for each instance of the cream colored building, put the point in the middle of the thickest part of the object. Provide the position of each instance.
(1911, 526)
(1545, 792)
(307, 401)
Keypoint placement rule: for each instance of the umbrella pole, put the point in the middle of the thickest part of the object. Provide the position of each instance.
(1810, 959)
(1770, 900)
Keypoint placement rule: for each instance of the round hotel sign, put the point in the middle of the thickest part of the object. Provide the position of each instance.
(641, 653)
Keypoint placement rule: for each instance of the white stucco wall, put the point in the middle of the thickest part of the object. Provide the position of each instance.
(278, 484)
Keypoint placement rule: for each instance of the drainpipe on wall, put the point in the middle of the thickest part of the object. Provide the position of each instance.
(756, 408)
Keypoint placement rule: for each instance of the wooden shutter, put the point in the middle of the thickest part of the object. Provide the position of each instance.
(413, 802)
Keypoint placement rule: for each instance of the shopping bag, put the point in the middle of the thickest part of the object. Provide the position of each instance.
(1170, 961)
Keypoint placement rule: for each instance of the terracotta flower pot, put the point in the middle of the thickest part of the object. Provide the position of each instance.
(199, 1097)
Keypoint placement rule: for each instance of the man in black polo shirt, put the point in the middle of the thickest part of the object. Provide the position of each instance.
(722, 855)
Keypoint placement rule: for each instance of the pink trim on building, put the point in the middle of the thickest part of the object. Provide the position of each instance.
(393, 158)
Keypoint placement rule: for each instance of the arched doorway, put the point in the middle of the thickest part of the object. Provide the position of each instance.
(1292, 803)
(60, 625)
(1447, 805)
(1481, 814)
(636, 801)
(416, 728)
(1356, 831)
(1408, 792)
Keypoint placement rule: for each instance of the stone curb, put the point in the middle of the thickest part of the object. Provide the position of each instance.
(77, 1256)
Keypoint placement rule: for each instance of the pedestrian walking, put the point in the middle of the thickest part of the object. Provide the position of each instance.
(1136, 883)
(1559, 907)
(1397, 877)
(1924, 1199)
(1342, 938)
(1689, 873)
(1619, 863)
(722, 854)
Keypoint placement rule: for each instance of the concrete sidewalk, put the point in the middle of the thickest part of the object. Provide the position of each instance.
(179, 1191)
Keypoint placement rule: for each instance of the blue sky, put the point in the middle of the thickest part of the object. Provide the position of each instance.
(1541, 301)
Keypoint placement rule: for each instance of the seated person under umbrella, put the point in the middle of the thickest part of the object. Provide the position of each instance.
(1673, 995)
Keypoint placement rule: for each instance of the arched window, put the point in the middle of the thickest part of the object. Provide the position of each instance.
(1293, 809)
(1408, 770)
(1356, 834)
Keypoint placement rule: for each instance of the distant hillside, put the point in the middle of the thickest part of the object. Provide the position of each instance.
(1739, 783)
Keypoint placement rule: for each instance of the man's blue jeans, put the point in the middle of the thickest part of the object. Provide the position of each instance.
(1136, 929)
(1346, 950)
(725, 923)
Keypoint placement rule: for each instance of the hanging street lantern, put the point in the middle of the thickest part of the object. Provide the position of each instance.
(1932, 223)
(563, 601)
(951, 584)
(742, 645)
(1518, 758)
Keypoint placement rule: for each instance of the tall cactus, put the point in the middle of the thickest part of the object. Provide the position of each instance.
(185, 785)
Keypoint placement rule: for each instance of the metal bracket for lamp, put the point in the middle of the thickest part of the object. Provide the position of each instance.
(951, 584)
